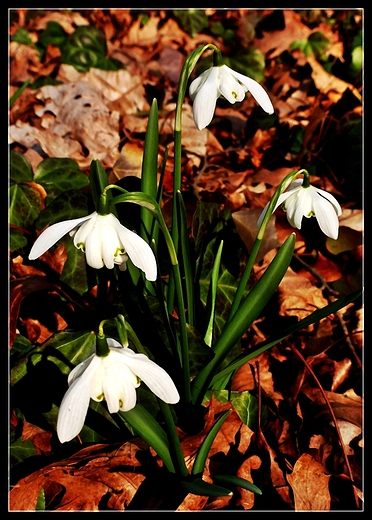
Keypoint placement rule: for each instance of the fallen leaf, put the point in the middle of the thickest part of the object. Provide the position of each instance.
(246, 224)
(298, 297)
(310, 485)
(326, 82)
(80, 482)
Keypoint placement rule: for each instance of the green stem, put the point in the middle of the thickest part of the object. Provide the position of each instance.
(257, 244)
(174, 441)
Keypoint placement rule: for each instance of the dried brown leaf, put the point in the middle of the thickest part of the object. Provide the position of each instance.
(80, 482)
(310, 485)
(247, 498)
(246, 224)
(298, 297)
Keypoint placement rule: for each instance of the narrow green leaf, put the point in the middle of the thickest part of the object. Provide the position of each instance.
(98, 182)
(186, 261)
(175, 448)
(249, 310)
(212, 294)
(150, 169)
(19, 92)
(206, 445)
(233, 480)
(40, 504)
(200, 487)
(314, 317)
(151, 432)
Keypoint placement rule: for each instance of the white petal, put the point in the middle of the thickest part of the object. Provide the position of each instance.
(282, 197)
(73, 409)
(102, 243)
(257, 91)
(79, 369)
(96, 385)
(229, 87)
(326, 216)
(81, 233)
(113, 343)
(110, 241)
(138, 251)
(155, 377)
(199, 82)
(119, 386)
(52, 234)
(205, 100)
(331, 199)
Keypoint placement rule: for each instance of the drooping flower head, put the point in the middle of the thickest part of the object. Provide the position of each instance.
(223, 81)
(104, 240)
(304, 200)
(114, 378)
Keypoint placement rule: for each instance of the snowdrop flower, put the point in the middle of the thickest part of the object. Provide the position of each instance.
(220, 81)
(104, 240)
(307, 201)
(114, 378)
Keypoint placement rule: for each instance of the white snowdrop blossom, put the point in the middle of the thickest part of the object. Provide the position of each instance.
(114, 378)
(299, 201)
(104, 240)
(222, 81)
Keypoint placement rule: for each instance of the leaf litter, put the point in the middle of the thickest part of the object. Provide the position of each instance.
(296, 456)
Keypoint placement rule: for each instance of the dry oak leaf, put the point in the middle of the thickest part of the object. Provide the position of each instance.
(245, 380)
(298, 297)
(24, 60)
(276, 472)
(120, 89)
(275, 42)
(67, 20)
(81, 121)
(327, 83)
(310, 485)
(39, 437)
(80, 482)
(347, 406)
(246, 498)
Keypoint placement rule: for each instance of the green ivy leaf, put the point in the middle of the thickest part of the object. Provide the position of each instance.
(21, 450)
(64, 349)
(74, 272)
(67, 205)
(17, 240)
(53, 34)
(57, 175)
(251, 63)
(193, 21)
(22, 36)
(25, 205)
(20, 168)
